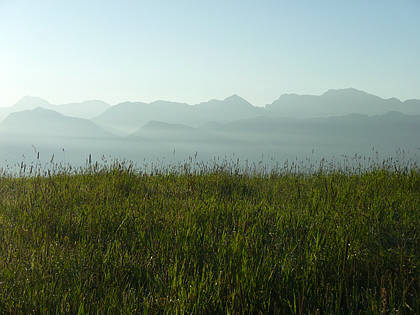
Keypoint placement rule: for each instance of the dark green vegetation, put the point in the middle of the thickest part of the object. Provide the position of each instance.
(109, 240)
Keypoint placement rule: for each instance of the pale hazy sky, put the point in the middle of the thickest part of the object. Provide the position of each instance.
(192, 51)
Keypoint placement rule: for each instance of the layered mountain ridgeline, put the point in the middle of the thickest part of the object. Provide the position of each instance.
(86, 109)
(128, 116)
(305, 119)
(339, 102)
(331, 103)
(45, 122)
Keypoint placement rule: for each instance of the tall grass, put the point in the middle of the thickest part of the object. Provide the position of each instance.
(210, 238)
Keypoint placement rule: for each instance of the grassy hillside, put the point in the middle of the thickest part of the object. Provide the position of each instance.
(111, 240)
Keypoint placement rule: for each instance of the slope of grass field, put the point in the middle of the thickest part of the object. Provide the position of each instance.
(114, 240)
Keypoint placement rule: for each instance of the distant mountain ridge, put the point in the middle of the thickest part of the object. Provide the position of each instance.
(339, 102)
(31, 102)
(46, 122)
(128, 117)
(86, 109)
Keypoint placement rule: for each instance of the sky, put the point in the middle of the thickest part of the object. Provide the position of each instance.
(193, 51)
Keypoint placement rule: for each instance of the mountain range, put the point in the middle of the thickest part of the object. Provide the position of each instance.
(331, 103)
(339, 102)
(48, 123)
(128, 116)
(336, 116)
(86, 109)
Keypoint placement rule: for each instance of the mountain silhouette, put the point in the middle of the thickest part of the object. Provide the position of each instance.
(45, 122)
(31, 102)
(337, 111)
(336, 122)
(126, 116)
(339, 102)
(129, 116)
(86, 109)
(231, 108)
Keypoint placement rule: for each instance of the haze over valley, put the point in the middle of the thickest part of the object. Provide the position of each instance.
(336, 123)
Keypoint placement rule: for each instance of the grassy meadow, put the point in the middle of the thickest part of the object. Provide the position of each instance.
(113, 239)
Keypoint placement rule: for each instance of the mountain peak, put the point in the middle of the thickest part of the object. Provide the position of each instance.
(346, 92)
(31, 102)
(235, 98)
